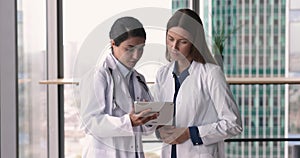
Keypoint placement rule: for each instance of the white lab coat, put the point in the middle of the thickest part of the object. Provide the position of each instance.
(105, 104)
(204, 100)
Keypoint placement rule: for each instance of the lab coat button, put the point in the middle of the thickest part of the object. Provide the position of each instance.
(131, 146)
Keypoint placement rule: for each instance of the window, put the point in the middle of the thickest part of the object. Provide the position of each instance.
(246, 21)
(229, 41)
(261, 40)
(228, 20)
(275, 99)
(32, 63)
(261, 122)
(267, 122)
(253, 60)
(275, 21)
(275, 40)
(275, 121)
(246, 38)
(261, 60)
(254, 20)
(261, 19)
(247, 60)
(239, 100)
(253, 39)
(261, 2)
(261, 101)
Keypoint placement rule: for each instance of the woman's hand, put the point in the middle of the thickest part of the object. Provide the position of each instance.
(173, 135)
(142, 117)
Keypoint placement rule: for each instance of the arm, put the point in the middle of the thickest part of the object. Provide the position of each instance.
(95, 117)
(96, 104)
(229, 121)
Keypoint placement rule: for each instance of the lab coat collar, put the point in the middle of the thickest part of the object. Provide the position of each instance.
(121, 92)
(190, 68)
(110, 62)
(113, 62)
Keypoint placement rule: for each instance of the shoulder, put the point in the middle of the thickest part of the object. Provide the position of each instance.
(101, 70)
(99, 73)
(94, 76)
(165, 70)
(207, 71)
(207, 68)
(215, 74)
(106, 67)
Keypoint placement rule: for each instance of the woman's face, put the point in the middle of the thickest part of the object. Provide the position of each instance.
(129, 51)
(178, 43)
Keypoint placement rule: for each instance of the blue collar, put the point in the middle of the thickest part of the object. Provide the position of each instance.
(183, 75)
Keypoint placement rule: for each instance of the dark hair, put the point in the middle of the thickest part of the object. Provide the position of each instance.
(126, 27)
(191, 22)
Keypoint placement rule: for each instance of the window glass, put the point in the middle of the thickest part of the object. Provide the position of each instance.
(32, 64)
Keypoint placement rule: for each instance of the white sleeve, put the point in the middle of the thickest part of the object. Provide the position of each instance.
(95, 119)
(156, 89)
(229, 121)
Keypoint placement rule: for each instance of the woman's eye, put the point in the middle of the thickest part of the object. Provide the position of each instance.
(184, 42)
(140, 49)
(131, 50)
(170, 39)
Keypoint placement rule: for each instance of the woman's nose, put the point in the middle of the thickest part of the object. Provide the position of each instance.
(137, 53)
(174, 45)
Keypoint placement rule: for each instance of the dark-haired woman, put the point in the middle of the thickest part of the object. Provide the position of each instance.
(112, 129)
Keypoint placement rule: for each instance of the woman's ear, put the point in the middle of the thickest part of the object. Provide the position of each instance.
(112, 43)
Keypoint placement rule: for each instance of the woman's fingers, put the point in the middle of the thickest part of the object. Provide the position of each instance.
(142, 117)
(173, 135)
(144, 113)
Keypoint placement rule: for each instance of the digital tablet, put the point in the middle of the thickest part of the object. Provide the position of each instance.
(165, 109)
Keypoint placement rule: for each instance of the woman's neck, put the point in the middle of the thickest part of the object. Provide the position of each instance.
(182, 65)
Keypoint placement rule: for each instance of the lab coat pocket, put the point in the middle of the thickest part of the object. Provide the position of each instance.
(200, 154)
(206, 151)
(206, 156)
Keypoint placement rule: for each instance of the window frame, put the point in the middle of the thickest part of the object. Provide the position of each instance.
(8, 80)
